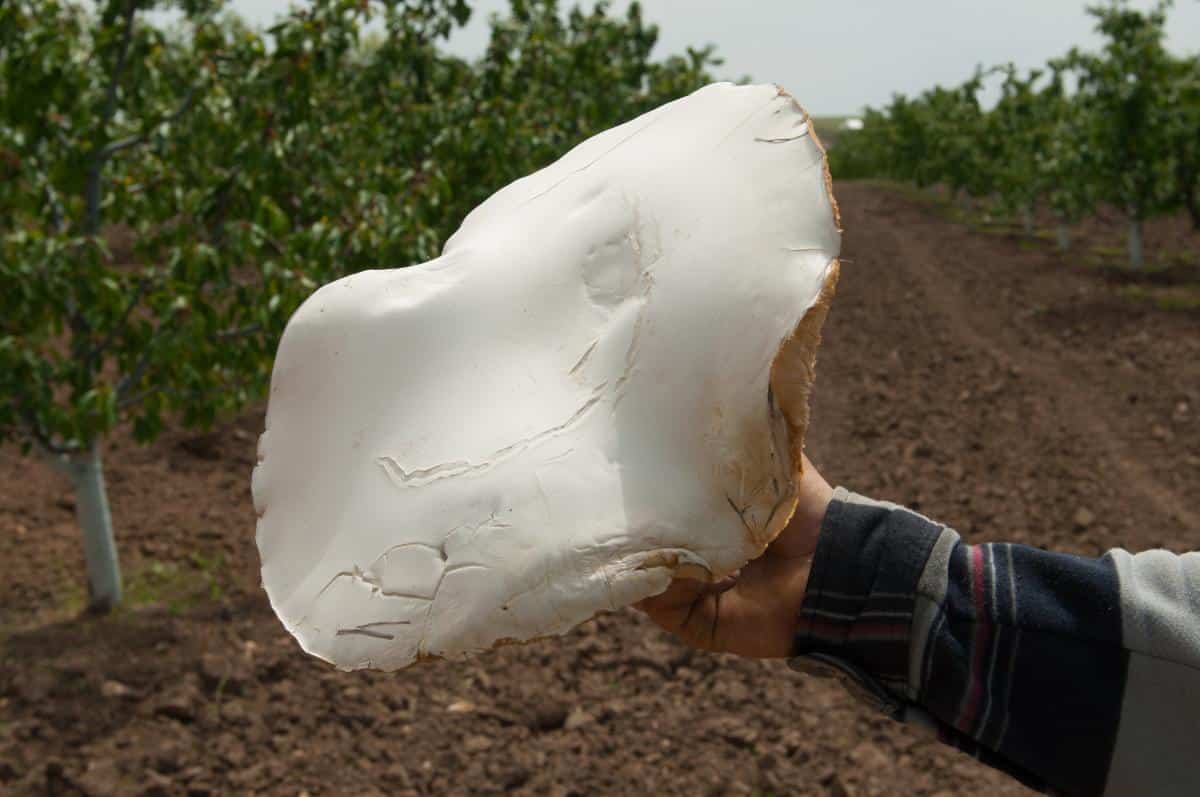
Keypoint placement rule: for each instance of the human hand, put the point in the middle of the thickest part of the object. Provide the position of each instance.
(752, 612)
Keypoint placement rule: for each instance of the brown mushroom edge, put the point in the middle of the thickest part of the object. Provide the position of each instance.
(793, 372)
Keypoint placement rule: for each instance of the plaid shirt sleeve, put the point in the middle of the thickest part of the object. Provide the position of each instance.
(1010, 653)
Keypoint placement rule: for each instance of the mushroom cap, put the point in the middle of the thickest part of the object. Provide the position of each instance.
(601, 383)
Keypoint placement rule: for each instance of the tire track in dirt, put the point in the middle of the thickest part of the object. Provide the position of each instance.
(943, 317)
(987, 329)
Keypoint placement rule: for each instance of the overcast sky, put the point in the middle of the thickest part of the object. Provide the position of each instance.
(837, 57)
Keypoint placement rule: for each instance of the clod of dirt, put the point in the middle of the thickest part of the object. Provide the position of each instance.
(577, 718)
(203, 446)
(840, 786)
(1160, 432)
(179, 703)
(549, 715)
(477, 744)
(397, 774)
(221, 673)
(733, 730)
(602, 383)
(115, 689)
(33, 686)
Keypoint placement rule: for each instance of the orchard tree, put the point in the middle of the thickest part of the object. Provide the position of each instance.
(86, 341)
(976, 163)
(953, 124)
(1185, 135)
(107, 120)
(901, 146)
(1019, 129)
(1064, 158)
(864, 153)
(1124, 96)
(1038, 149)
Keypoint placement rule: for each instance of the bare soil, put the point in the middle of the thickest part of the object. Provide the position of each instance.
(1012, 392)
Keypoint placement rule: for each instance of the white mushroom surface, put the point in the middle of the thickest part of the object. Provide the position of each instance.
(602, 382)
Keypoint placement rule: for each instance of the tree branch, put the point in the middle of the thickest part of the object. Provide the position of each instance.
(91, 191)
(112, 148)
(114, 80)
(179, 396)
(57, 214)
(275, 246)
(134, 376)
(216, 225)
(229, 334)
(42, 439)
(136, 398)
(97, 351)
(123, 396)
(102, 155)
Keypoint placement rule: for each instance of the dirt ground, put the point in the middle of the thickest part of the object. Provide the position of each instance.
(1012, 392)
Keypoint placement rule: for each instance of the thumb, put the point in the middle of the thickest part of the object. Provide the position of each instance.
(670, 609)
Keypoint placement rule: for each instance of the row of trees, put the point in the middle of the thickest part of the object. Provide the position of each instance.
(248, 167)
(1120, 126)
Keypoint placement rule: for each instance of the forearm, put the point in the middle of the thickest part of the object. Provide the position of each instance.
(1018, 656)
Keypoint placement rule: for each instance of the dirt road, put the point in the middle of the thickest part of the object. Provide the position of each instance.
(1005, 391)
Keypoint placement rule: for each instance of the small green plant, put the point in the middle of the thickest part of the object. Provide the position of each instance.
(1175, 298)
(177, 585)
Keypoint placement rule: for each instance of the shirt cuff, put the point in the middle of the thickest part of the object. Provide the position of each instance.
(857, 615)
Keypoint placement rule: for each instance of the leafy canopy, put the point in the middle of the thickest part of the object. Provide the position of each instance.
(168, 197)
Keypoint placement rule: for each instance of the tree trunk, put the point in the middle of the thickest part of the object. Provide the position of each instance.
(1064, 237)
(91, 510)
(1027, 219)
(1189, 185)
(1135, 244)
(1192, 202)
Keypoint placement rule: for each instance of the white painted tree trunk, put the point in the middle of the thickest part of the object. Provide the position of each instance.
(91, 510)
(1027, 219)
(1064, 237)
(1135, 244)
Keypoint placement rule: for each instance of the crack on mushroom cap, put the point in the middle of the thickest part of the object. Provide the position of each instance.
(783, 139)
(418, 477)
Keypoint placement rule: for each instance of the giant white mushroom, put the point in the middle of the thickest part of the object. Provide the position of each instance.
(601, 383)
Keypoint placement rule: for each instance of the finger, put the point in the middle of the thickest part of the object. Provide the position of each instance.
(680, 593)
(725, 584)
(684, 591)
